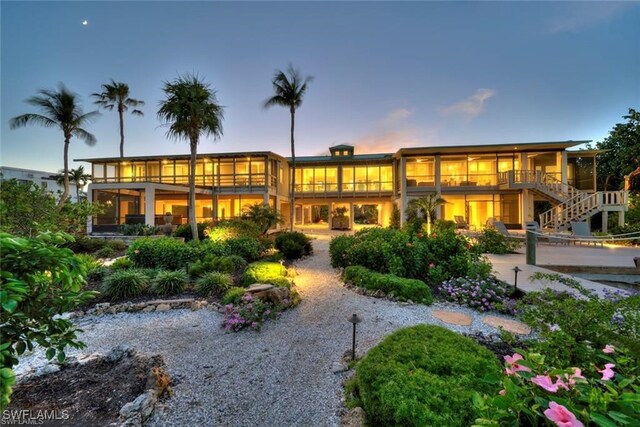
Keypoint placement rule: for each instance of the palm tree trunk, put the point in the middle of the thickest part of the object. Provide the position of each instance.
(192, 190)
(65, 193)
(292, 210)
(121, 132)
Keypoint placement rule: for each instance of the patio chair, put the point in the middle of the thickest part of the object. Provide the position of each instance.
(460, 222)
(581, 233)
(502, 229)
(542, 237)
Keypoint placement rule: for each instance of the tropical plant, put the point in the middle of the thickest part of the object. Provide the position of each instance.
(125, 284)
(169, 282)
(263, 215)
(213, 283)
(191, 110)
(116, 95)
(77, 176)
(289, 91)
(427, 206)
(40, 280)
(59, 109)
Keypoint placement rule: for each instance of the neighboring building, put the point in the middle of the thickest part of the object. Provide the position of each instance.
(45, 180)
(514, 183)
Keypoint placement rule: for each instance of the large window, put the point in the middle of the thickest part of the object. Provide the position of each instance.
(316, 179)
(421, 172)
(367, 178)
(481, 170)
(476, 209)
(453, 171)
(580, 173)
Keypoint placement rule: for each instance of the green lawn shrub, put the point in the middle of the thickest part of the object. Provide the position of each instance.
(260, 272)
(390, 284)
(106, 252)
(169, 282)
(293, 244)
(85, 245)
(163, 252)
(97, 274)
(491, 241)
(223, 264)
(123, 284)
(184, 230)
(122, 263)
(280, 282)
(213, 283)
(248, 248)
(233, 295)
(424, 375)
(228, 229)
(117, 245)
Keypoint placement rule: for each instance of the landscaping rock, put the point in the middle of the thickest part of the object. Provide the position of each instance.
(259, 287)
(163, 307)
(353, 418)
(508, 325)
(148, 309)
(339, 367)
(140, 409)
(453, 317)
(273, 295)
(46, 369)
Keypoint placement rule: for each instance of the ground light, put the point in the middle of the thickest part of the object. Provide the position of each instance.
(354, 320)
(516, 270)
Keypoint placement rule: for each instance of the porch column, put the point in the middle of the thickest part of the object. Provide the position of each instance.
(150, 205)
(403, 189)
(620, 218)
(438, 184)
(90, 200)
(605, 221)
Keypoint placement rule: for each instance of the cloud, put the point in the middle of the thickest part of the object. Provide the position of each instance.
(578, 16)
(472, 106)
(386, 142)
(397, 116)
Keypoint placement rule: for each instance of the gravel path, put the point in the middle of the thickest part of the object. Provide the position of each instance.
(280, 376)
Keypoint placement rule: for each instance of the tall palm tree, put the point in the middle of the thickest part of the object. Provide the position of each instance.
(427, 204)
(116, 95)
(77, 176)
(190, 110)
(59, 109)
(288, 92)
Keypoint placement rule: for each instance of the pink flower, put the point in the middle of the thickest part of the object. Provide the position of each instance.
(545, 382)
(561, 416)
(607, 372)
(514, 366)
(502, 392)
(608, 349)
(554, 328)
(577, 375)
(432, 265)
(560, 383)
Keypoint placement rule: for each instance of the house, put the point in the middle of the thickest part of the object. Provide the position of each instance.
(514, 183)
(45, 180)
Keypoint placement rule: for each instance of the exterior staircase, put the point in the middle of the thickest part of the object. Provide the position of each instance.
(570, 204)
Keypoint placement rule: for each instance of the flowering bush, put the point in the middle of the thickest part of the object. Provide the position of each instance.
(250, 313)
(603, 393)
(481, 294)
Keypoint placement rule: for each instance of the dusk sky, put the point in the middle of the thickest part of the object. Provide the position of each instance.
(387, 75)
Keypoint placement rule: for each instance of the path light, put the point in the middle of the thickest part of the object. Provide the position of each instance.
(355, 320)
(516, 270)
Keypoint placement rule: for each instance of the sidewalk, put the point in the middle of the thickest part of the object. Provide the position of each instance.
(608, 256)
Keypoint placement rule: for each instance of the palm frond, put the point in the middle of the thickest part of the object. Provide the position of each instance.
(87, 137)
(25, 119)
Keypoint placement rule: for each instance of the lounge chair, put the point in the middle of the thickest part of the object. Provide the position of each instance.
(544, 238)
(460, 222)
(581, 233)
(502, 229)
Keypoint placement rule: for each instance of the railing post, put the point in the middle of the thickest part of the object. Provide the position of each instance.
(531, 248)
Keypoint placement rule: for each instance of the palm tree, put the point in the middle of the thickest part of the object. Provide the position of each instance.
(289, 91)
(116, 95)
(263, 215)
(190, 110)
(77, 176)
(62, 110)
(427, 204)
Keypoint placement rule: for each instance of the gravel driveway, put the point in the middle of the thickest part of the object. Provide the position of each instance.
(280, 376)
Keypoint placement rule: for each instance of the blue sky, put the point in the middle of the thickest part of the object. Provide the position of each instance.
(387, 74)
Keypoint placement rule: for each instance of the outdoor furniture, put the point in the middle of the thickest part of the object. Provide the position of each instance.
(544, 238)
(502, 229)
(461, 223)
(581, 233)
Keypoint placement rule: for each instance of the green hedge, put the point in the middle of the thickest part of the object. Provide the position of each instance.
(412, 289)
(424, 375)
(262, 272)
(165, 253)
(293, 244)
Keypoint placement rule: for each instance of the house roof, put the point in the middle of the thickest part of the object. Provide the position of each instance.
(181, 156)
(490, 148)
(343, 159)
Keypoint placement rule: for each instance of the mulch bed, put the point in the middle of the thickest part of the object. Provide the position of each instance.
(91, 394)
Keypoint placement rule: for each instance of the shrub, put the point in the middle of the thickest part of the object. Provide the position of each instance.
(490, 241)
(85, 245)
(424, 375)
(39, 280)
(481, 294)
(106, 252)
(184, 230)
(117, 245)
(338, 250)
(250, 313)
(233, 295)
(169, 282)
(228, 229)
(293, 244)
(412, 289)
(281, 282)
(248, 248)
(139, 230)
(97, 274)
(122, 263)
(163, 252)
(259, 272)
(213, 283)
(209, 248)
(441, 225)
(223, 264)
(125, 284)
(87, 261)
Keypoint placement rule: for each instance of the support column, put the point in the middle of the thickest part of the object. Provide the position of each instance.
(605, 221)
(438, 183)
(90, 200)
(403, 190)
(150, 205)
(620, 218)
(563, 172)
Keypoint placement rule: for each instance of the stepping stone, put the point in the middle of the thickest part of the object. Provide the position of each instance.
(512, 326)
(453, 317)
(259, 287)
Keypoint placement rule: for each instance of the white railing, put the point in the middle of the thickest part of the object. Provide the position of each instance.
(542, 181)
(580, 205)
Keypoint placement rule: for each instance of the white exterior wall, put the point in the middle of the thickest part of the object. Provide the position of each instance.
(42, 179)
